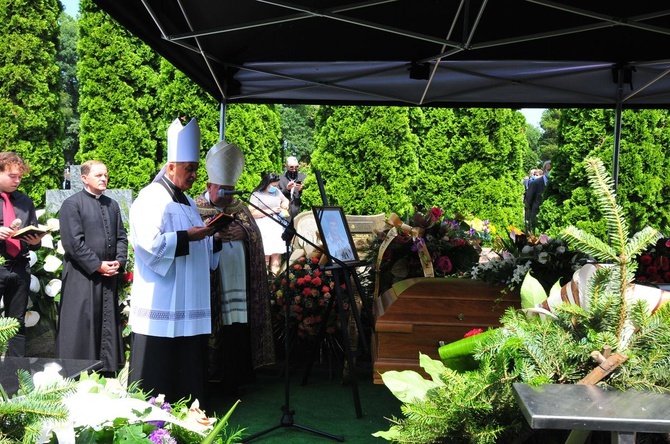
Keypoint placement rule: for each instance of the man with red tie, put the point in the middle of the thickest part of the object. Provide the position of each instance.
(18, 211)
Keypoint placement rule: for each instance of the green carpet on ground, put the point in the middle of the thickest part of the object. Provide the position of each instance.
(324, 404)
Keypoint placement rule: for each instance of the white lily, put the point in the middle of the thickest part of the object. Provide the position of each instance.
(54, 224)
(32, 318)
(53, 287)
(34, 284)
(51, 263)
(48, 241)
(32, 258)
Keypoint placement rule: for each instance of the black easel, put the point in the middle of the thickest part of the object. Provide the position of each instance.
(343, 272)
(347, 273)
(287, 414)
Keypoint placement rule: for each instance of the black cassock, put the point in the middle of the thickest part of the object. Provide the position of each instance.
(89, 314)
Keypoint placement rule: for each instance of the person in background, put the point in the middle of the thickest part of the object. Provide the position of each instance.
(241, 338)
(96, 251)
(18, 211)
(534, 197)
(291, 185)
(170, 313)
(271, 219)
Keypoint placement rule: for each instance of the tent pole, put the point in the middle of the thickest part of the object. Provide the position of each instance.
(222, 121)
(617, 129)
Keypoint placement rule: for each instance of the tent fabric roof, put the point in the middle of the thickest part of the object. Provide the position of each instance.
(484, 53)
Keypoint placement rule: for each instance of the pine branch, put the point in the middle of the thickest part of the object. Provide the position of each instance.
(589, 244)
(603, 188)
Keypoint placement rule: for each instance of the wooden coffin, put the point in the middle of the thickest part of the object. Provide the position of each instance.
(416, 314)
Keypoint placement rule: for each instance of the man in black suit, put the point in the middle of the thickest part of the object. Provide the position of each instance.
(534, 197)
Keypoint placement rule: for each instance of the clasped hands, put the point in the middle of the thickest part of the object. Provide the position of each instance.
(109, 268)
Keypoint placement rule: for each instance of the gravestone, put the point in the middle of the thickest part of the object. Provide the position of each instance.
(55, 198)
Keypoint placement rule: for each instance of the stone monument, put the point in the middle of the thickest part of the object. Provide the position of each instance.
(55, 198)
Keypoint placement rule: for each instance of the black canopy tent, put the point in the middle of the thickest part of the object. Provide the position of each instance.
(447, 53)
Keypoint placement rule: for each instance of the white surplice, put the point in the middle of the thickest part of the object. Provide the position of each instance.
(170, 294)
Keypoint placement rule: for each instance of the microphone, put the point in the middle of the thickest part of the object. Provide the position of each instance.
(224, 193)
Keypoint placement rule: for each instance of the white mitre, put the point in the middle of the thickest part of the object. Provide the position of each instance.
(224, 164)
(183, 144)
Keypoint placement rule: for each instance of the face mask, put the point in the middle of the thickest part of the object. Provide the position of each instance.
(272, 189)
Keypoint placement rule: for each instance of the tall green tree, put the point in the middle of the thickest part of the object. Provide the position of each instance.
(548, 143)
(367, 159)
(30, 117)
(531, 159)
(256, 130)
(297, 125)
(471, 162)
(67, 62)
(117, 76)
(642, 169)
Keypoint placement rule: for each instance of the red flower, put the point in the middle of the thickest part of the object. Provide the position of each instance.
(645, 259)
(315, 260)
(307, 279)
(307, 291)
(297, 267)
(443, 265)
(667, 243)
(435, 214)
(458, 242)
(316, 281)
(474, 331)
(325, 289)
(666, 276)
(652, 271)
(662, 263)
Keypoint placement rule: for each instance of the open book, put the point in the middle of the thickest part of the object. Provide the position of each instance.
(220, 221)
(30, 230)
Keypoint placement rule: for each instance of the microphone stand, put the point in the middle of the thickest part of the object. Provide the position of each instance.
(287, 419)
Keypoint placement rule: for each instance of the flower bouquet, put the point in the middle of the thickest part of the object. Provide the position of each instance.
(433, 246)
(653, 266)
(307, 290)
(547, 259)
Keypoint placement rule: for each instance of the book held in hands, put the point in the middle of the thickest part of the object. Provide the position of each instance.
(221, 220)
(30, 230)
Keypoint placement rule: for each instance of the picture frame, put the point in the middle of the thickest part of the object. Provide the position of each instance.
(335, 234)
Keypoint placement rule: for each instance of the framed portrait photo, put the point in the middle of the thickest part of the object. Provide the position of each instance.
(335, 234)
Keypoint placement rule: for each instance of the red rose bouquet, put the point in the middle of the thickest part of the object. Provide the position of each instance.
(307, 290)
(653, 265)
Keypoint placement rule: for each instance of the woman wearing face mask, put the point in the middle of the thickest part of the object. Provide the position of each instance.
(268, 198)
